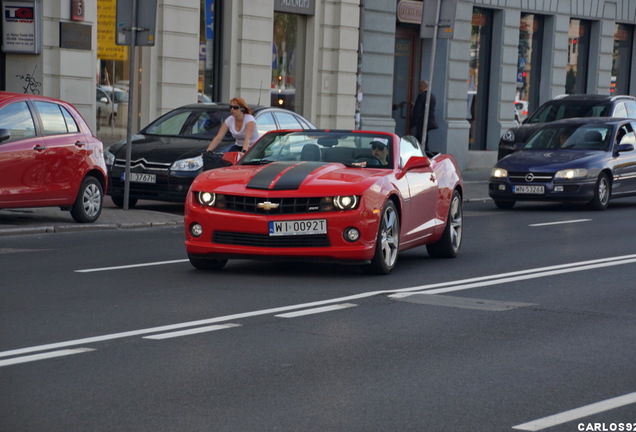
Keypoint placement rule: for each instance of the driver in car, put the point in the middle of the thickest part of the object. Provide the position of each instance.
(380, 151)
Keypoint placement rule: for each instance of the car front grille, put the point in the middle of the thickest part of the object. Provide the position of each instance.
(248, 204)
(262, 240)
(529, 177)
(144, 165)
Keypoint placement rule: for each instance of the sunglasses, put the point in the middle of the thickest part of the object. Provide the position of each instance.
(235, 107)
(378, 146)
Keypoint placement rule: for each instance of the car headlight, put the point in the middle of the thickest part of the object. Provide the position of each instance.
(109, 158)
(345, 202)
(499, 173)
(206, 198)
(571, 174)
(190, 164)
(509, 136)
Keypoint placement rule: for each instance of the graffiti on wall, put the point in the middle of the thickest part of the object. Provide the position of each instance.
(31, 83)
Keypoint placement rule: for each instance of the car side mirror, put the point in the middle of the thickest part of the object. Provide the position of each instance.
(623, 148)
(4, 134)
(103, 100)
(232, 157)
(416, 162)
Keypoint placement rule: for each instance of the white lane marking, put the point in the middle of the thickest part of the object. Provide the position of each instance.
(131, 266)
(192, 331)
(560, 222)
(511, 277)
(48, 355)
(578, 413)
(317, 310)
(427, 289)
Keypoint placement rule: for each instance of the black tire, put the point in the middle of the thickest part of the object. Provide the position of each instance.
(449, 245)
(206, 263)
(505, 204)
(89, 201)
(602, 193)
(118, 200)
(387, 244)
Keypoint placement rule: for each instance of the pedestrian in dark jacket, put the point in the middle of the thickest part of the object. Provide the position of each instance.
(417, 116)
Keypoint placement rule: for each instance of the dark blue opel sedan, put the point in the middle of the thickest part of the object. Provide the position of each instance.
(583, 159)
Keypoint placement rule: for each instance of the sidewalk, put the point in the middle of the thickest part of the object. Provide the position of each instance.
(52, 219)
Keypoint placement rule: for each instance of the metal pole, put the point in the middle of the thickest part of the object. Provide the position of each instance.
(131, 91)
(430, 75)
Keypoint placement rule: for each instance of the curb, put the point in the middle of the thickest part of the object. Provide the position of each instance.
(49, 229)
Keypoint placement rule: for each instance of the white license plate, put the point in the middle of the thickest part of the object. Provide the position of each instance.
(531, 190)
(140, 177)
(298, 227)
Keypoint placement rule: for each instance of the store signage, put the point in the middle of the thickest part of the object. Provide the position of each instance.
(409, 12)
(106, 47)
(302, 7)
(21, 27)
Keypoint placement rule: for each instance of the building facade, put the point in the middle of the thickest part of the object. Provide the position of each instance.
(340, 63)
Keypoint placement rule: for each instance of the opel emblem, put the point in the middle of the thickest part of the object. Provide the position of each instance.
(267, 205)
(529, 177)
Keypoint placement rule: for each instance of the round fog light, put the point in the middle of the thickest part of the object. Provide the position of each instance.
(351, 235)
(196, 230)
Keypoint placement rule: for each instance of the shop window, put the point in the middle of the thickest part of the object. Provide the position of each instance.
(622, 59)
(479, 73)
(578, 56)
(287, 61)
(529, 64)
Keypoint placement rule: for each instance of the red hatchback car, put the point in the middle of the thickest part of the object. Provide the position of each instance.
(49, 157)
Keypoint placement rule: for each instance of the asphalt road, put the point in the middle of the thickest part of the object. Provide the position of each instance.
(531, 328)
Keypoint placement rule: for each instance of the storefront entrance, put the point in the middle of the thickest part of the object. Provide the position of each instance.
(405, 73)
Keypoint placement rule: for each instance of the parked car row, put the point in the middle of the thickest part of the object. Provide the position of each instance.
(574, 148)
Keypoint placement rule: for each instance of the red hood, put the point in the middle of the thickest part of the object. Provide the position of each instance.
(301, 177)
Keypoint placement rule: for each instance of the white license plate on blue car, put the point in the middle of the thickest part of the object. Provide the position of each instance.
(529, 190)
(298, 227)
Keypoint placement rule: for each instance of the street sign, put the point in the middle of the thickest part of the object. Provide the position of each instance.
(446, 24)
(145, 22)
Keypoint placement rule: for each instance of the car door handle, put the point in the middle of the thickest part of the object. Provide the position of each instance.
(39, 147)
(80, 144)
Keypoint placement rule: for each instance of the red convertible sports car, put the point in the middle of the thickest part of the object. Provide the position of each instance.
(356, 197)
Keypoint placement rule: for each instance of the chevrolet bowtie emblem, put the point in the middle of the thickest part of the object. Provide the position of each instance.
(267, 206)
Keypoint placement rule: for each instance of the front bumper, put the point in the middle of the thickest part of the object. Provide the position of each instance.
(579, 190)
(169, 185)
(231, 234)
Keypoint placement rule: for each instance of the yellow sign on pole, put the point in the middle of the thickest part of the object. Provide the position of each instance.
(106, 19)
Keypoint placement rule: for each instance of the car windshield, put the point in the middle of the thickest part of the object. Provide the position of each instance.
(360, 150)
(560, 109)
(196, 123)
(575, 137)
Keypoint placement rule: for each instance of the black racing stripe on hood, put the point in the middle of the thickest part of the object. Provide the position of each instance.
(264, 178)
(293, 178)
(295, 174)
